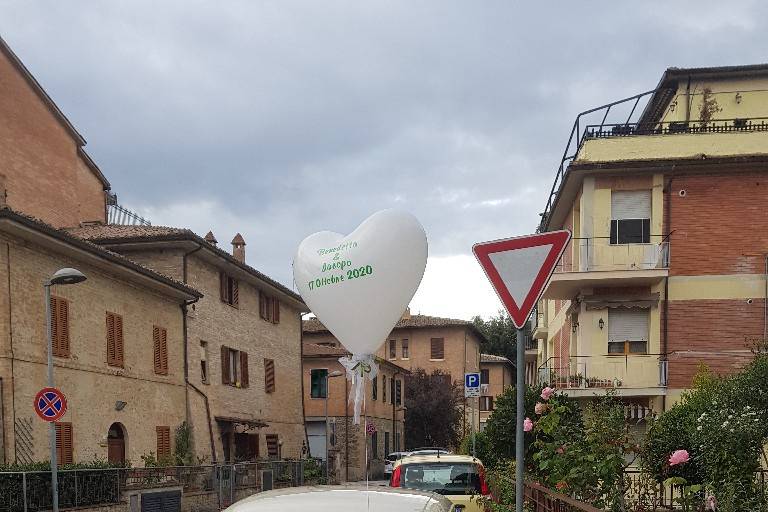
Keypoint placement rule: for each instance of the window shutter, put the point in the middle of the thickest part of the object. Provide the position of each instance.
(159, 338)
(437, 349)
(64, 444)
(64, 315)
(235, 292)
(272, 446)
(223, 286)
(164, 350)
(628, 324)
(244, 370)
(269, 375)
(630, 204)
(119, 352)
(276, 313)
(110, 339)
(55, 325)
(224, 365)
(60, 326)
(163, 442)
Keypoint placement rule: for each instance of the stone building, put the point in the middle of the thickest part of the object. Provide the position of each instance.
(348, 443)
(243, 341)
(118, 348)
(428, 342)
(667, 266)
(496, 375)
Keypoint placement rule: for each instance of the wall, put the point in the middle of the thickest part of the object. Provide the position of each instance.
(92, 387)
(42, 172)
(499, 379)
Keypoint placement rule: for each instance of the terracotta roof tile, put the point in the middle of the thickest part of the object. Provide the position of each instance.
(490, 358)
(313, 325)
(313, 349)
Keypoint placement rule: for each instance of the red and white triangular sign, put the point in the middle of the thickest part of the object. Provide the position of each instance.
(519, 268)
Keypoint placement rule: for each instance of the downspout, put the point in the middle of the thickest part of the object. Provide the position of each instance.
(301, 379)
(394, 412)
(688, 101)
(13, 357)
(186, 358)
(665, 326)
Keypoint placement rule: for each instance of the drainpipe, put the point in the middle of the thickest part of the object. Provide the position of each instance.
(688, 100)
(13, 357)
(665, 326)
(184, 307)
(301, 379)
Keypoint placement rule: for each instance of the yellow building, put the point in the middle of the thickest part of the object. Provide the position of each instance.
(668, 264)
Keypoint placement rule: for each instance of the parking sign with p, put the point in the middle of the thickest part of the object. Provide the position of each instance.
(471, 385)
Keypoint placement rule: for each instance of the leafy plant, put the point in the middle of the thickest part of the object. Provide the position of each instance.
(434, 413)
(182, 449)
(709, 107)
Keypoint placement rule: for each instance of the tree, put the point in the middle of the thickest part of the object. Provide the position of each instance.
(434, 413)
(500, 334)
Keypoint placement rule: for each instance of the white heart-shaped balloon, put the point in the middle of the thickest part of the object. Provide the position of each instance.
(359, 285)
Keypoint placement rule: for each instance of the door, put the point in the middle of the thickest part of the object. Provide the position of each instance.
(116, 444)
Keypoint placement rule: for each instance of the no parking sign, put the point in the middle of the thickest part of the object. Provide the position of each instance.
(50, 404)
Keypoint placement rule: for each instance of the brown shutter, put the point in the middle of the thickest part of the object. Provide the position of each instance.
(272, 446)
(64, 444)
(276, 314)
(437, 349)
(262, 307)
(160, 340)
(110, 339)
(235, 292)
(119, 352)
(164, 349)
(244, 369)
(224, 365)
(223, 286)
(55, 325)
(163, 442)
(60, 326)
(269, 375)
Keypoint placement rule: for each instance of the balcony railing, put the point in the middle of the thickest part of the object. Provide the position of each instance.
(605, 371)
(755, 124)
(598, 253)
(116, 214)
(531, 344)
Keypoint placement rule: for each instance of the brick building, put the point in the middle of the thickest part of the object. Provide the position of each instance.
(384, 401)
(243, 339)
(496, 375)
(669, 261)
(118, 348)
(428, 342)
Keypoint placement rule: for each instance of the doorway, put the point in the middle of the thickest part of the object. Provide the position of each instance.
(116, 444)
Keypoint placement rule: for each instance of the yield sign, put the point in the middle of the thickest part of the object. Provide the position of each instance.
(519, 268)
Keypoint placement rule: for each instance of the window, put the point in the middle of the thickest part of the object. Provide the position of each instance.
(246, 447)
(163, 442)
(404, 349)
(234, 367)
(375, 445)
(204, 362)
(393, 349)
(486, 403)
(318, 383)
(60, 326)
(437, 348)
(160, 339)
(631, 217)
(114, 339)
(269, 308)
(384, 388)
(398, 392)
(375, 388)
(273, 446)
(64, 444)
(628, 331)
(485, 376)
(386, 443)
(269, 375)
(228, 289)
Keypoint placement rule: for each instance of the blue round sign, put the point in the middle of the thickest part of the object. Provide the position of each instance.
(50, 404)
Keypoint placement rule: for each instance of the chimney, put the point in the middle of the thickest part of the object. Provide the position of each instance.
(406, 314)
(210, 238)
(238, 248)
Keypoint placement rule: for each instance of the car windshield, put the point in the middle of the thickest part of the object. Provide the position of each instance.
(442, 477)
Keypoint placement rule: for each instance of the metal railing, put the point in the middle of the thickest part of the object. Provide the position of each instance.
(531, 344)
(30, 491)
(116, 214)
(598, 253)
(602, 371)
(542, 499)
(755, 124)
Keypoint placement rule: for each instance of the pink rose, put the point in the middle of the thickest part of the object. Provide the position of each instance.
(679, 457)
(540, 408)
(710, 503)
(561, 450)
(561, 485)
(527, 425)
(546, 393)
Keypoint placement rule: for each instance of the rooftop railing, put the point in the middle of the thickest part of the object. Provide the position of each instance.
(116, 214)
(602, 131)
(598, 253)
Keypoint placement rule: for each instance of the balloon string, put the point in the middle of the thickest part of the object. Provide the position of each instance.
(365, 422)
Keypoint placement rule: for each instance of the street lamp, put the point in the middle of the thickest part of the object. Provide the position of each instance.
(335, 373)
(62, 277)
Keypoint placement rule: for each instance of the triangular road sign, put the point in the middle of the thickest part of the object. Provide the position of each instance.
(519, 268)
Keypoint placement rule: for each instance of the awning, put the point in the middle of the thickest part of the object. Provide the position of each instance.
(246, 423)
(606, 301)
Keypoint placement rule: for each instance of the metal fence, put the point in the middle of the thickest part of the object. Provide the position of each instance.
(30, 491)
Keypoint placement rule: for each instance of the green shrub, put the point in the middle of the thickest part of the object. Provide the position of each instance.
(482, 447)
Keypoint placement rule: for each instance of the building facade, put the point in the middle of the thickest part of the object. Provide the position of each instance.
(668, 264)
(496, 375)
(427, 342)
(243, 342)
(349, 447)
(118, 349)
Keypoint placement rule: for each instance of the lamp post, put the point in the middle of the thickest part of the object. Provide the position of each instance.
(335, 373)
(394, 429)
(62, 276)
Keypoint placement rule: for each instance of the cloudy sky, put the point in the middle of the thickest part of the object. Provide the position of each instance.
(278, 119)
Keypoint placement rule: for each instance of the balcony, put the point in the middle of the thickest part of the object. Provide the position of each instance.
(540, 330)
(531, 349)
(586, 376)
(591, 262)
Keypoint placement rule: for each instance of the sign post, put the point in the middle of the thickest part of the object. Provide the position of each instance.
(472, 390)
(519, 270)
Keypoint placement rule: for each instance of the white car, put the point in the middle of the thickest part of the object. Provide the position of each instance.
(389, 461)
(343, 499)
